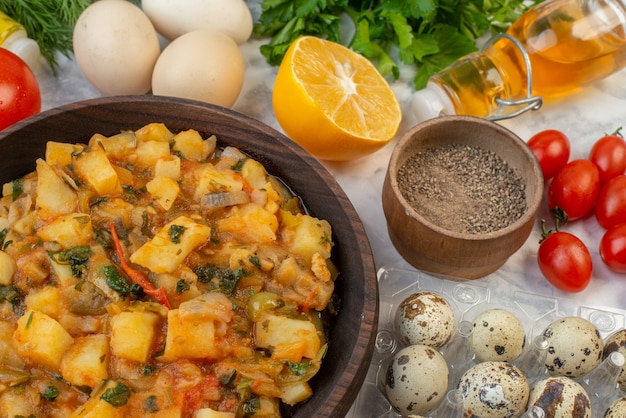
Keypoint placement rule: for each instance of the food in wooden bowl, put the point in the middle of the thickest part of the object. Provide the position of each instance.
(460, 196)
(183, 220)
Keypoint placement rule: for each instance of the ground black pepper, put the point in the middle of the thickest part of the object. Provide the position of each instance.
(463, 188)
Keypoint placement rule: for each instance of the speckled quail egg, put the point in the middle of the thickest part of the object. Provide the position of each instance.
(494, 389)
(562, 396)
(617, 342)
(498, 335)
(617, 409)
(416, 380)
(425, 318)
(574, 346)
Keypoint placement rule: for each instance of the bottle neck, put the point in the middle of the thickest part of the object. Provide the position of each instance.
(609, 15)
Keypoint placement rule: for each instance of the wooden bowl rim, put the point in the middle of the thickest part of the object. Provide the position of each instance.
(342, 386)
(410, 136)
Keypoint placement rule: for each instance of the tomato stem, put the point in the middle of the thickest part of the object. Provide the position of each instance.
(617, 132)
(136, 275)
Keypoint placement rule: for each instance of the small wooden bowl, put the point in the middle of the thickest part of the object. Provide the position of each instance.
(352, 332)
(443, 252)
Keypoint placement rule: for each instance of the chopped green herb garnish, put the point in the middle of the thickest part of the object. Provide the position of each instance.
(150, 405)
(181, 287)
(254, 260)
(17, 188)
(299, 369)
(51, 393)
(116, 396)
(175, 232)
(224, 279)
(76, 257)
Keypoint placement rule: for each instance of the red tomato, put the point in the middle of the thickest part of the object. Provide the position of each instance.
(575, 189)
(552, 148)
(19, 91)
(611, 204)
(565, 261)
(609, 154)
(613, 248)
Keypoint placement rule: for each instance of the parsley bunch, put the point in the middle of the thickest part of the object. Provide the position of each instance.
(430, 34)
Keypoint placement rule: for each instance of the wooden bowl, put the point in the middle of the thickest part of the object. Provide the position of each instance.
(352, 334)
(442, 251)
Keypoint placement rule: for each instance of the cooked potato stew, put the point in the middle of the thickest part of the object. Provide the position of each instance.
(151, 273)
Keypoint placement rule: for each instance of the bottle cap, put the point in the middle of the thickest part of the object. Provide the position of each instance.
(431, 102)
(28, 50)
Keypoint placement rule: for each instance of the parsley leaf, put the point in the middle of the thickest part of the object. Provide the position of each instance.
(117, 395)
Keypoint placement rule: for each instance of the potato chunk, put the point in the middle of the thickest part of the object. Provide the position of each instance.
(306, 235)
(164, 190)
(192, 328)
(132, 334)
(191, 145)
(171, 245)
(94, 167)
(7, 268)
(116, 146)
(61, 153)
(211, 180)
(98, 407)
(149, 152)
(211, 413)
(54, 196)
(86, 362)
(250, 223)
(41, 340)
(69, 230)
(290, 339)
(169, 167)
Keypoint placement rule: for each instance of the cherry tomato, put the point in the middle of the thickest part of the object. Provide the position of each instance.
(609, 154)
(565, 261)
(575, 189)
(611, 204)
(613, 248)
(19, 91)
(552, 148)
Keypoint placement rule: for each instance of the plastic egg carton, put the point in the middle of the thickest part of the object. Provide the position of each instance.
(468, 299)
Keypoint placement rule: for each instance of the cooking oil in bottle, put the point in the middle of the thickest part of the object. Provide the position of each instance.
(559, 46)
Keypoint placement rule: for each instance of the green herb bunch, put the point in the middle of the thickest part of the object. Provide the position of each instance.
(430, 34)
(49, 22)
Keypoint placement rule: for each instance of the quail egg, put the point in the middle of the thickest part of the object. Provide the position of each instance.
(562, 396)
(494, 389)
(617, 409)
(574, 347)
(416, 380)
(617, 342)
(498, 335)
(425, 318)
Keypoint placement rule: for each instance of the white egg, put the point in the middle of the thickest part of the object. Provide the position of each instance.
(116, 47)
(201, 65)
(617, 409)
(416, 380)
(617, 342)
(574, 347)
(562, 396)
(498, 335)
(173, 18)
(425, 318)
(494, 389)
